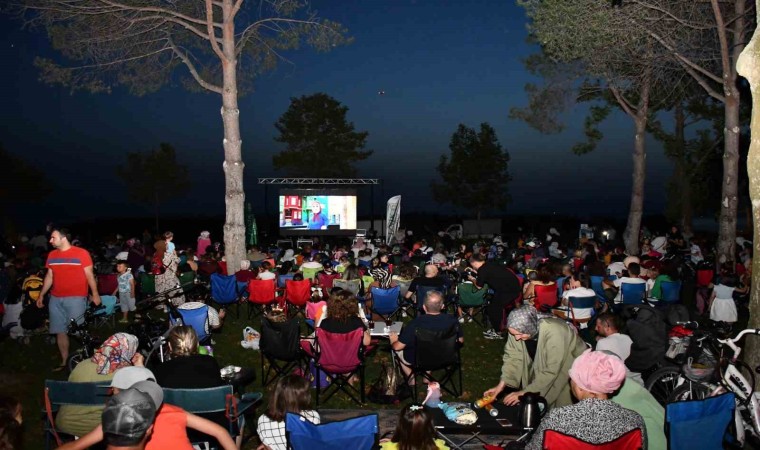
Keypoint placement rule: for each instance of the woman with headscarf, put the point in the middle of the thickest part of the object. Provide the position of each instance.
(595, 419)
(168, 280)
(117, 351)
(204, 241)
(539, 352)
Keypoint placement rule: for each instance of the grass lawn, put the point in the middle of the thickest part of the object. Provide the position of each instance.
(23, 368)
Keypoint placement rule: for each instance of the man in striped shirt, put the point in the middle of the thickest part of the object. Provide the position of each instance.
(68, 278)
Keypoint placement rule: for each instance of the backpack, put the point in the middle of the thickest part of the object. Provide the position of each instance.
(389, 388)
(649, 333)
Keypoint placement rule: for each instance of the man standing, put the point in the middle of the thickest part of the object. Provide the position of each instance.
(505, 286)
(69, 275)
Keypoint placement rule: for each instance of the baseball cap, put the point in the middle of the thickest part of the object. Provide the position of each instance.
(127, 417)
(125, 377)
(153, 390)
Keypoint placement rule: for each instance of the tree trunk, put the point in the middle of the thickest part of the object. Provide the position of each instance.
(234, 226)
(748, 65)
(632, 229)
(681, 172)
(729, 198)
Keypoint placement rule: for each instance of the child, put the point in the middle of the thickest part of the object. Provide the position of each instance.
(722, 306)
(414, 431)
(125, 289)
(291, 395)
(169, 237)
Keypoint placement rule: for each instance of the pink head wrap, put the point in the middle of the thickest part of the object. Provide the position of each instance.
(598, 372)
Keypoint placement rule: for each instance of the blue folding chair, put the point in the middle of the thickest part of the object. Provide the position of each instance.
(282, 279)
(385, 302)
(633, 293)
(224, 291)
(598, 287)
(671, 292)
(560, 282)
(363, 264)
(699, 424)
(359, 433)
(197, 319)
(108, 312)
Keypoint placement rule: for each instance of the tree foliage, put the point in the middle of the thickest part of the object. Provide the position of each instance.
(20, 181)
(154, 177)
(320, 141)
(474, 176)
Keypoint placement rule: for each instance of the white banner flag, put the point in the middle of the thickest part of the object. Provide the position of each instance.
(392, 218)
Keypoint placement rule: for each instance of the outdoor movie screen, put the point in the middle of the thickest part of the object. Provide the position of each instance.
(311, 211)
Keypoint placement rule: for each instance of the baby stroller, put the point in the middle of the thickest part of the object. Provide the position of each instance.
(22, 317)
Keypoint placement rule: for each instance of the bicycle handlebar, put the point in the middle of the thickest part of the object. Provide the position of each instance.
(731, 342)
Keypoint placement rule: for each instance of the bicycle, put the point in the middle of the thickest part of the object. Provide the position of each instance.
(81, 332)
(726, 376)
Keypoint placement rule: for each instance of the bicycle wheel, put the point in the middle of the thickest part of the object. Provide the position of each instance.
(663, 382)
(74, 359)
(690, 390)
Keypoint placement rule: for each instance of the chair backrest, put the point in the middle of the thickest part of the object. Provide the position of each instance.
(199, 401)
(325, 281)
(358, 433)
(147, 283)
(582, 302)
(196, 318)
(705, 277)
(280, 340)
(367, 280)
(310, 272)
(339, 352)
(546, 297)
(671, 291)
(560, 281)
(282, 279)
(224, 288)
(298, 292)
(60, 393)
(633, 293)
(363, 263)
(313, 308)
(261, 291)
(109, 301)
(596, 285)
(403, 287)
(555, 440)
(699, 423)
(187, 280)
(107, 283)
(385, 301)
(353, 286)
(470, 295)
(436, 349)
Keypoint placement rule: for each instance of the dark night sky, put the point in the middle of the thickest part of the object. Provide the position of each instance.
(440, 64)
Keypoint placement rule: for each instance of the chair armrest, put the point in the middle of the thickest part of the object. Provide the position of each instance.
(249, 399)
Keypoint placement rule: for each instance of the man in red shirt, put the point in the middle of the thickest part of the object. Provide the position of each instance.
(68, 278)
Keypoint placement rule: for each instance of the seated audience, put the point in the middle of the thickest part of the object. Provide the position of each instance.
(431, 280)
(215, 318)
(265, 272)
(414, 430)
(245, 274)
(594, 376)
(633, 277)
(291, 395)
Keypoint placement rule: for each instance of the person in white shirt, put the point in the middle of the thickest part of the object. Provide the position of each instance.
(609, 338)
(634, 272)
(578, 313)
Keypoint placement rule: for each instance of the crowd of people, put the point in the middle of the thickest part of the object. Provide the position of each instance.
(531, 286)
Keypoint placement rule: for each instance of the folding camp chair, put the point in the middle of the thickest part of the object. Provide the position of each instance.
(545, 297)
(147, 284)
(385, 302)
(632, 294)
(310, 273)
(325, 281)
(358, 433)
(280, 345)
(196, 318)
(353, 286)
(437, 351)
(597, 285)
(59, 393)
(220, 399)
(224, 291)
(102, 316)
(671, 292)
(282, 279)
(555, 440)
(297, 295)
(340, 356)
(699, 424)
(187, 281)
(261, 293)
(473, 302)
(108, 283)
(419, 300)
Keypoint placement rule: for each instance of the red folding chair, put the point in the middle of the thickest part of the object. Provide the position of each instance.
(545, 297)
(108, 283)
(554, 440)
(325, 281)
(261, 293)
(340, 356)
(297, 295)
